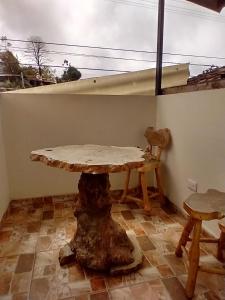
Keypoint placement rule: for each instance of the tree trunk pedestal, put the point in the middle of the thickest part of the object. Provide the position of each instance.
(99, 243)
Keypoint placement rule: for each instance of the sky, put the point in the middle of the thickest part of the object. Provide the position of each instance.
(124, 24)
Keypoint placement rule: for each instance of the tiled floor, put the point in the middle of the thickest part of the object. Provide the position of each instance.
(33, 231)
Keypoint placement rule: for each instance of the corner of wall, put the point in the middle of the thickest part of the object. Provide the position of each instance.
(4, 184)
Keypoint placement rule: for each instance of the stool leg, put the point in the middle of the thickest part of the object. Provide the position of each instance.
(159, 186)
(184, 237)
(194, 254)
(144, 187)
(126, 185)
(221, 246)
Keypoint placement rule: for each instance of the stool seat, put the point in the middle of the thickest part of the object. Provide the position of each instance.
(201, 207)
(206, 206)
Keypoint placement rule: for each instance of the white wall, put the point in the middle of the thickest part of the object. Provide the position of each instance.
(197, 124)
(37, 121)
(4, 188)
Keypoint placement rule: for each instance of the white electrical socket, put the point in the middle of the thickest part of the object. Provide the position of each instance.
(192, 185)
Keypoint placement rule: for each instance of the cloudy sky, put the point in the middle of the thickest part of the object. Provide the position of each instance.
(124, 24)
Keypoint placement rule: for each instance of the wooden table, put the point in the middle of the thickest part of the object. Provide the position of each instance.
(99, 243)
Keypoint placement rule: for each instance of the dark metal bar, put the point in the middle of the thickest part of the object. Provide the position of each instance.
(158, 83)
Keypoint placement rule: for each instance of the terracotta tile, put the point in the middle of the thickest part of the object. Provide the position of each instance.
(49, 269)
(25, 263)
(82, 297)
(127, 214)
(68, 212)
(152, 290)
(97, 284)
(121, 294)
(114, 281)
(132, 205)
(149, 228)
(100, 296)
(33, 227)
(8, 264)
(69, 283)
(39, 289)
(165, 218)
(176, 264)
(21, 296)
(47, 227)
(200, 289)
(44, 243)
(5, 236)
(145, 243)
(48, 214)
(48, 207)
(210, 295)
(37, 205)
(20, 283)
(77, 288)
(174, 288)
(58, 213)
(76, 273)
(154, 257)
(5, 280)
(28, 243)
(142, 275)
(48, 200)
(145, 263)
(59, 206)
(165, 271)
(135, 226)
(119, 207)
(9, 249)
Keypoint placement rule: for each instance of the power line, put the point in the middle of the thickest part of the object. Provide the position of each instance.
(85, 55)
(109, 70)
(114, 49)
(81, 46)
(79, 68)
(174, 9)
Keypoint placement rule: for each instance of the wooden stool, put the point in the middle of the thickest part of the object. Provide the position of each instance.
(221, 243)
(208, 206)
(158, 141)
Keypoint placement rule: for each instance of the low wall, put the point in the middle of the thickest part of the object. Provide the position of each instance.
(38, 121)
(4, 188)
(197, 124)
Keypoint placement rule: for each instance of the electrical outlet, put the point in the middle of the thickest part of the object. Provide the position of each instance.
(192, 185)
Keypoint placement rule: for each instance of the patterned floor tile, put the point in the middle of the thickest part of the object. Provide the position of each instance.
(33, 230)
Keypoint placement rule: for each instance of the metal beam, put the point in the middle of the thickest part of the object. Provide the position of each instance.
(158, 82)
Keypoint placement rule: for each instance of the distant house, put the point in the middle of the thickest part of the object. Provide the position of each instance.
(212, 78)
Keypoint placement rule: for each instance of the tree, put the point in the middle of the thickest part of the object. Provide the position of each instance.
(48, 74)
(37, 51)
(10, 63)
(70, 73)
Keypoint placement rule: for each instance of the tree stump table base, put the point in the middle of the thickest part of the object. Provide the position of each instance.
(99, 243)
(68, 257)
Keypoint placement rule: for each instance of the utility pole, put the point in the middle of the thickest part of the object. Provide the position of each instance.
(22, 80)
(158, 81)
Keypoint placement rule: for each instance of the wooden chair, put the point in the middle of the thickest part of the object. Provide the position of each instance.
(158, 141)
(200, 207)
